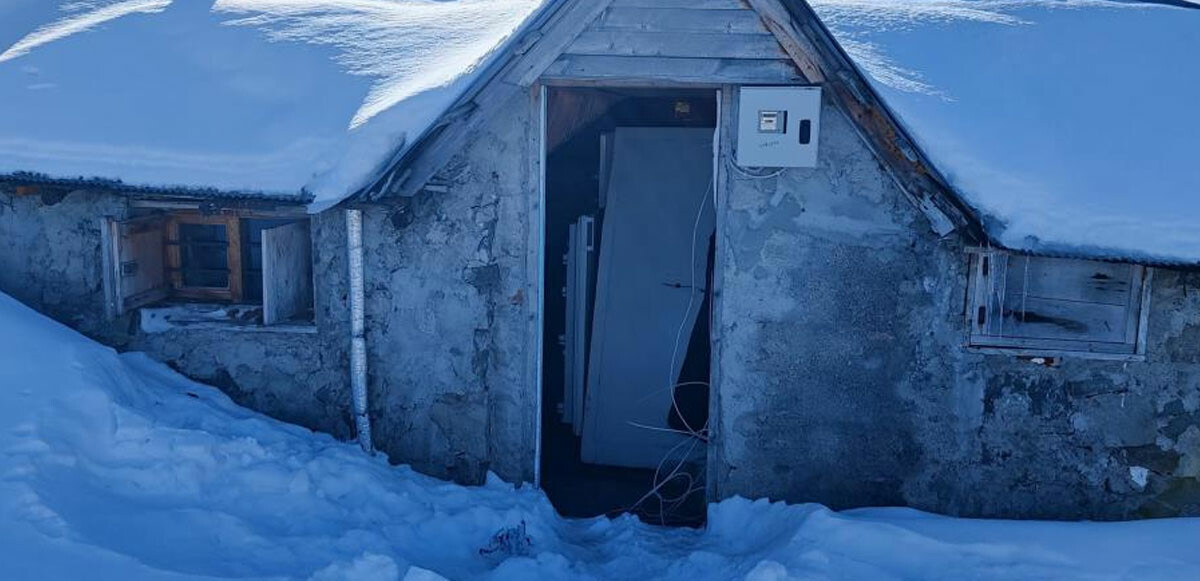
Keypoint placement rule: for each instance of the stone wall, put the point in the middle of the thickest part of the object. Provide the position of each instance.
(839, 370)
(50, 258)
(450, 321)
(50, 253)
(842, 377)
(450, 312)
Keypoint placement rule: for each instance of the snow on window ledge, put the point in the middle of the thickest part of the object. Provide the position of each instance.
(222, 317)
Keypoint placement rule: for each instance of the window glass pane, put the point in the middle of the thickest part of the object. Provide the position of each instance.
(204, 258)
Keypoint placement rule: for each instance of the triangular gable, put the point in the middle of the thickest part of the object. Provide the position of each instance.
(572, 38)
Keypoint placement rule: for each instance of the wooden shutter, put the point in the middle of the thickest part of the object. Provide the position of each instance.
(140, 268)
(1056, 303)
(287, 272)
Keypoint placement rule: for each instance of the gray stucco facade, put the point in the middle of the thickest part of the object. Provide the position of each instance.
(450, 326)
(839, 370)
(843, 377)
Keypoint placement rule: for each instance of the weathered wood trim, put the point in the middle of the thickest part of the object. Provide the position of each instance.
(535, 49)
(715, 461)
(1144, 314)
(110, 267)
(663, 71)
(668, 19)
(795, 43)
(1050, 353)
(802, 32)
(677, 44)
(286, 211)
(535, 264)
(125, 248)
(684, 4)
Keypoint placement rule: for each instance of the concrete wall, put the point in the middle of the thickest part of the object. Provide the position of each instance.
(49, 253)
(841, 375)
(450, 310)
(449, 317)
(50, 259)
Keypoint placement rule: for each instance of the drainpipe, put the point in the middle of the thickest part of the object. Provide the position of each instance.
(358, 339)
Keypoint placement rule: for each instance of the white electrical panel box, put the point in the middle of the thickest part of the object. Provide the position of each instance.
(778, 126)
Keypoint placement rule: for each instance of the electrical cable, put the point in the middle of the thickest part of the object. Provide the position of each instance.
(753, 176)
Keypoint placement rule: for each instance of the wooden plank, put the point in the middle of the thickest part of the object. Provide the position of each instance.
(684, 4)
(286, 272)
(552, 40)
(1024, 346)
(777, 20)
(1073, 280)
(651, 70)
(681, 20)
(1143, 320)
(141, 264)
(413, 171)
(1049, 353)
(677, 44)
(110, 260)
(1038, 318)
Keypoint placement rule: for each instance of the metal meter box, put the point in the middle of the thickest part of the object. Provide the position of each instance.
(778, 126)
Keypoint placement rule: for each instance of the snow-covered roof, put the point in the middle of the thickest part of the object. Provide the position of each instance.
(269, 96)
(1071, 125)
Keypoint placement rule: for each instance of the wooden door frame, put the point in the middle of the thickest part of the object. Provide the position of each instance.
(540, 106)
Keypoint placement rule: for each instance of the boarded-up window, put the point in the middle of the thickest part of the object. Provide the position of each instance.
(1056, 304)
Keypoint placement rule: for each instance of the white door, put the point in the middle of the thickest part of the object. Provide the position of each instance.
(652, 270)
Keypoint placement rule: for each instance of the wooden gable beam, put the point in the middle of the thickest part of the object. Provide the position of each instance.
(539, 44)
(822, 60)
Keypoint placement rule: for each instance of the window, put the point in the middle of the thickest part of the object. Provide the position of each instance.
(265, 262)
(204, 257)
(1038, 305)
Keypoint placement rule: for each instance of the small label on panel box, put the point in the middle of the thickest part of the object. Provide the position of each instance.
(772, 121)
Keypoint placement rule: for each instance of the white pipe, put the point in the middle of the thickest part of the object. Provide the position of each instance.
(358, 339)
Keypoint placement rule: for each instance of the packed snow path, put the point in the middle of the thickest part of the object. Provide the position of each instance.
(115, 467)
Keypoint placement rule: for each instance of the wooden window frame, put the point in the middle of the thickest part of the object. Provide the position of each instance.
(985, 291)
(233, 291)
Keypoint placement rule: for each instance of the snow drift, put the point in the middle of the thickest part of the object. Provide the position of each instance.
(115, 467)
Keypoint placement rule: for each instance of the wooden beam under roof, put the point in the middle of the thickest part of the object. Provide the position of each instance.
(533, 50)
(818, 54)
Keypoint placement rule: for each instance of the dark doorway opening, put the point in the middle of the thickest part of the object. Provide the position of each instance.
(628, 270)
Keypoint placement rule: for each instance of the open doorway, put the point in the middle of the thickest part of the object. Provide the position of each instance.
(629, 235)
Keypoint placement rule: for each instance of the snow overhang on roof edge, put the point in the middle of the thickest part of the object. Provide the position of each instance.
(118, 187)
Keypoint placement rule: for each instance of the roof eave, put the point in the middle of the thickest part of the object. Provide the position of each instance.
(174, 193)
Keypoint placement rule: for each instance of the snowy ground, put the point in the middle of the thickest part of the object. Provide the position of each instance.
(114, 467)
